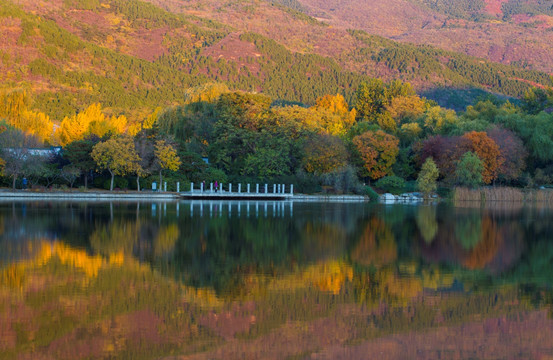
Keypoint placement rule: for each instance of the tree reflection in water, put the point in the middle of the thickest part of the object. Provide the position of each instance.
(125, 274)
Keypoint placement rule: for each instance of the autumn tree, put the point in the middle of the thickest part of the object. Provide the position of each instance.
(513, 153)
(166, 158)
(76, 127)
(90, 121)
(409, 132)
(402, 108)
(426, 181)
(337, 106)
(374, 96)
(116, 155)
(370, 99)
(37, 124)
(324, 154)
(445, 152)
(487, 151)
(378, 151)
(438, 120)
(14, 107)
(13, 103)
(205, 93)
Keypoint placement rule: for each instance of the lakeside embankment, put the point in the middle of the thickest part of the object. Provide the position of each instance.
(151, 196)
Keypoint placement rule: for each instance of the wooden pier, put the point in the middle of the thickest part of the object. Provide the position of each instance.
(280, 192)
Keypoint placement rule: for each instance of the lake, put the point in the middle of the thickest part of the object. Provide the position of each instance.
(275, 280)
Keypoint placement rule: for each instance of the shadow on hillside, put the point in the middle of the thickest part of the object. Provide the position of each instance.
(458, 99)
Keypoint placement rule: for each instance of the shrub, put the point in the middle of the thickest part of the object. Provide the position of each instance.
(373, 195)
(343, 180)
(391, 184)
(118, 183)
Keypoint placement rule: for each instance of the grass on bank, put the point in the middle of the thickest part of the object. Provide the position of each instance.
(511, 194)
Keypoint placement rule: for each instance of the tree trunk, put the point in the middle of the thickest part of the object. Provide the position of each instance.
(160, 181)
(111, 186)
(86, 180)
(14, 178)
(138, 182)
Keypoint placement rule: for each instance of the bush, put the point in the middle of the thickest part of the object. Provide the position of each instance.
(307, 183)
(343, 181)
(118, 183)
(373, 195)
(391, 184)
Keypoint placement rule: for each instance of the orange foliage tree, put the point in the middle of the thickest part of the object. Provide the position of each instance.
(488, 151)
(378, 151)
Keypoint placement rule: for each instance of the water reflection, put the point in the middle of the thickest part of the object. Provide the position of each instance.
(186, 277)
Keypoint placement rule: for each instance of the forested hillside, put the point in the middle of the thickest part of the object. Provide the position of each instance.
(133, 56)
(514, 32)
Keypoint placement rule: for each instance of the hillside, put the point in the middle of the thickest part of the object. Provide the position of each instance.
(133, 56)
(515, 32)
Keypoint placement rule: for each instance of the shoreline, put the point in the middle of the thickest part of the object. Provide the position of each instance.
(150, 196)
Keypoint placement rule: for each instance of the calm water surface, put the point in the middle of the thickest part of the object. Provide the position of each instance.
(274, 280)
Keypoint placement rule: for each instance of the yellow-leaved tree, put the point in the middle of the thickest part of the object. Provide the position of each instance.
(14, 106)
(118, 156)
(76, 127)
(90, 121)
(166, 158)
(36, 123)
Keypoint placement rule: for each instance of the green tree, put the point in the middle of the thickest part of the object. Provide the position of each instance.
(78, 153)
(17, 160)
(426, 182)
(116, 155)
(70, 173)
(370, 99)
(469, 170)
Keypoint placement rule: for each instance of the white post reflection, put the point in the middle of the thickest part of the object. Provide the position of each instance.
(235, 208)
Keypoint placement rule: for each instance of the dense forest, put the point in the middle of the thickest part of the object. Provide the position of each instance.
(391, 138)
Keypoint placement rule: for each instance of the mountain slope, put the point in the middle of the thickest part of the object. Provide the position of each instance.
(512, 32)
(133, 56)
